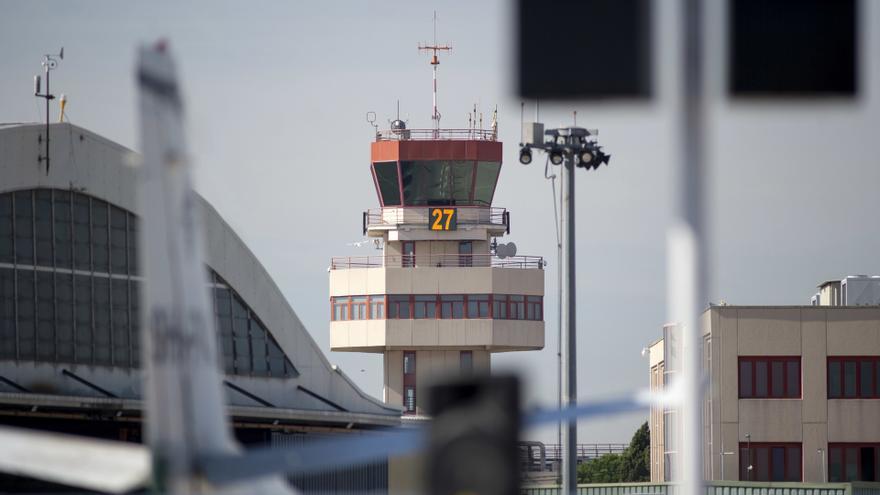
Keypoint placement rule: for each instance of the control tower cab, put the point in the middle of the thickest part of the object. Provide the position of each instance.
(439, 299)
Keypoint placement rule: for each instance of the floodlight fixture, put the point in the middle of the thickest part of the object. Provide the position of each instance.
(525, 155)
(556, 157)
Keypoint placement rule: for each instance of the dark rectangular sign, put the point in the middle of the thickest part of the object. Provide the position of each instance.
(443, 219)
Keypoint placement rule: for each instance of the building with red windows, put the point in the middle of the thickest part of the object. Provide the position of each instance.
(793, 391)
(440, 298)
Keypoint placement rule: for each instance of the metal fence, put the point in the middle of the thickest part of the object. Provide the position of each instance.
(715, 488)
(437, 134)
(421, 215)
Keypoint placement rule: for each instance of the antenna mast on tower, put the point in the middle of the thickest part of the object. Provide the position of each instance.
(435, 61)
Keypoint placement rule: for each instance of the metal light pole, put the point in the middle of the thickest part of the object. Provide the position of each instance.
(572, 146)
(569, 327)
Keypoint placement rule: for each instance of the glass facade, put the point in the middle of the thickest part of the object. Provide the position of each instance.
(69, 289)
(436, 182)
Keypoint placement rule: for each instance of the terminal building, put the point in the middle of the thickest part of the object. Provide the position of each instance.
(69, 313)
(793, 391)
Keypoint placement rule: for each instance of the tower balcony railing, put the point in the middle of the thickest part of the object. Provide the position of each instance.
(436, 261)
(437, 135)
(395, 216)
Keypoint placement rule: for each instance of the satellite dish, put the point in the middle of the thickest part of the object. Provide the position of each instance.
(511, 249)
(501, 251)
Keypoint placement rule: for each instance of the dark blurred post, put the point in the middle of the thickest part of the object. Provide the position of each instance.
(473, 438)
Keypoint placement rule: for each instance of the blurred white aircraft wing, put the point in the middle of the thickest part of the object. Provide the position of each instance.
(100, 465)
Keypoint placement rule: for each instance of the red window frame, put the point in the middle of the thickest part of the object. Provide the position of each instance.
(751, 459)
(840, 449)
(530, 308)
(858, 360)
(769, 360)
(535, 308)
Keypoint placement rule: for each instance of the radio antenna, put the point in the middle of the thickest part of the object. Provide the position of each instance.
(50, 62)
(435, 61)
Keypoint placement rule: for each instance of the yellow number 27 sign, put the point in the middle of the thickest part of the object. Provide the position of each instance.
(444, 219)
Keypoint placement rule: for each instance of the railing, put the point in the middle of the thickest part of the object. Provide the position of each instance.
(436, 261)
(714, 488)
(585, 451)
(420, 215)
(437, 134)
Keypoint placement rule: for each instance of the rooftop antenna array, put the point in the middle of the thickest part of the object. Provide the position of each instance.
(50, 62)
(435, 61)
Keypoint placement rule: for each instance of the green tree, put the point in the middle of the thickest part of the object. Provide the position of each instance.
(629, 466)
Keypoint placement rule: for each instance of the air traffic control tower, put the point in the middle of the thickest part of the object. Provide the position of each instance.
(446, 292)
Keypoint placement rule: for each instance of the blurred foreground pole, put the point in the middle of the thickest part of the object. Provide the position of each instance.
(687, 248)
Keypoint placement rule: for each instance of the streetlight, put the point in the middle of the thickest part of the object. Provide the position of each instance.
(575, 146)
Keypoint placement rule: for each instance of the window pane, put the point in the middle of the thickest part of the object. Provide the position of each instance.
(6, 233)
(849, 379)
(100, 237)
(777, 385)
(409, 363)
(866, 377)
(867, 463)
(45, 316)
(487, 175)
(499, 307)
(409, 399)
(744, 464)
(425, 307)
(101, 315)
(83, 308)
(241, 339)
(400, 306)
(778, 464)
(386, 176)
(793, 464)
(118, 249)
(63, 232)
(762, 464)
(43, 226)
(135, 301)
(852, 467)
(81, 232)
(437, 182)
(259, 349)
(834, 379)
(276, 358)
(7, 313)
(835, 464)
(121, 331)
(745, 379)
(223, 312)
(467, 362)
(24, 228)
(517, 308)
(26, 314)
(131, 240)
(793, 369)
(760, 378)
(64, 316)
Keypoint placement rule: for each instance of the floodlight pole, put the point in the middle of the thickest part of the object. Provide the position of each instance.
(570, 147)
(569, 326)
